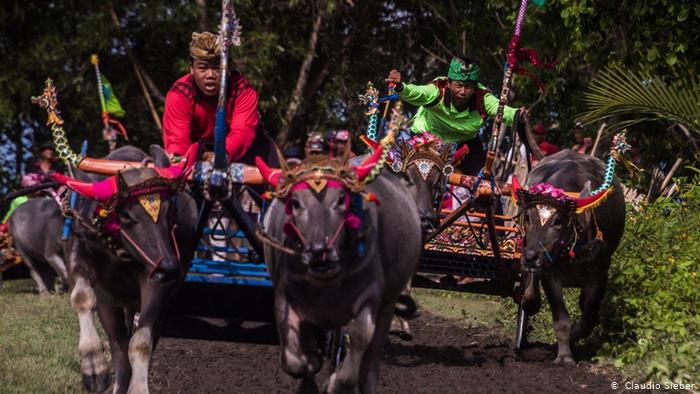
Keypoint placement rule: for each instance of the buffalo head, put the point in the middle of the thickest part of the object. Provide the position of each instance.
(426, 163)
(552, 220)
(323, 203)
(137, 210)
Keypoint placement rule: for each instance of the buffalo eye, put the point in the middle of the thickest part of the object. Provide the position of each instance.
(558, 221)
(339, 204)
(295, 204)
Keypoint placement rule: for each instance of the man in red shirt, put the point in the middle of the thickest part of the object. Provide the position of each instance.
(190, 107)
(540, 134)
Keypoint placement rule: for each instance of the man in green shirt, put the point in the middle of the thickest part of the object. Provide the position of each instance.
(454, 108)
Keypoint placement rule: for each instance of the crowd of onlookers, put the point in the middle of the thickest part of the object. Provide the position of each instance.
(332, 143)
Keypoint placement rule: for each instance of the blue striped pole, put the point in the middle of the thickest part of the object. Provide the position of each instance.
(228, 17)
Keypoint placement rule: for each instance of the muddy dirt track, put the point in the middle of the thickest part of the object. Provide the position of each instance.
(441, 358)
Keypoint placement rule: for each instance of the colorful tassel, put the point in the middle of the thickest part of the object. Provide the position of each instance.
(371, 197)
(353, 222)
(103, 213)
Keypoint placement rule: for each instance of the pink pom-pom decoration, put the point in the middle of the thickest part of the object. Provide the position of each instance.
(352, 221)
(547, 189)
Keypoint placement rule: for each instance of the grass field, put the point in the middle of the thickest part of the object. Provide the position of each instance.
(472, 310)
(38, 341)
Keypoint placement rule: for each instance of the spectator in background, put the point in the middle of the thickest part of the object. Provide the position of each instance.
(636, 154)
(540, 134)
(46, 163)
(315, 145)
(582, 144)
(337, 142)
(293, 155)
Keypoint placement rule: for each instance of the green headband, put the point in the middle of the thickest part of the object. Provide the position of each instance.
(461, 71)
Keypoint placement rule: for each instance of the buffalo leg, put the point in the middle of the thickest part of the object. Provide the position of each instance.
(59, 266)
(560, 316)
(112, 319)
(592, 297)
(142, 342)
(361, 331)
(93, 365)
(41, 285)
(295, 338)
(399, 325)
(369, 372)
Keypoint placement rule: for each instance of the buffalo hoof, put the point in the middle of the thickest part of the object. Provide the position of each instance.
(564, 360)
(97, 383)
(308, 386)
(301, 365)
(400, 328)
(333, 386)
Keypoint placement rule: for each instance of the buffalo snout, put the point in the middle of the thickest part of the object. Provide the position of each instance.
(166, 271)
(321, 259)
(530, 256)
(428, 220)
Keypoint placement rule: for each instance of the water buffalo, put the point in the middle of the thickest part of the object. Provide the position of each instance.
(131, 249)
(338, 260)
(425, 163)
(569, 240)
(38, 241)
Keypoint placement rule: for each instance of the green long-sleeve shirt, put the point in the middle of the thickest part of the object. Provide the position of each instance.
(446, 122)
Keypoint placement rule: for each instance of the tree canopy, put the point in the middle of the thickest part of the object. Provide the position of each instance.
(356, 41)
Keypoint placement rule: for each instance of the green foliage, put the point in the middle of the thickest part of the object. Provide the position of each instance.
(616, 94)
(651, 315)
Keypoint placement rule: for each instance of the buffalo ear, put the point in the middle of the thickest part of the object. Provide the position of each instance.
(160, 158)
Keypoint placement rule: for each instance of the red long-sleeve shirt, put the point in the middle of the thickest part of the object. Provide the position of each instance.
(190, 116)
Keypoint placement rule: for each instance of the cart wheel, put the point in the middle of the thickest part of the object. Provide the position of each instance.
(521, 331)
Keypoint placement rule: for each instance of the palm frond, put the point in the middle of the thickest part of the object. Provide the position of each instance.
(622, 97)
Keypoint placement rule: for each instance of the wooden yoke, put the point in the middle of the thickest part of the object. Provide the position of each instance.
(467, 181)
(251, 175)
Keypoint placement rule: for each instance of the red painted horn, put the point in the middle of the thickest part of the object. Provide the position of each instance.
(515, 187)
(363, 169)
(101, 191)
(374, 145)
(591, 200)
(271, 175)
(170, 172)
